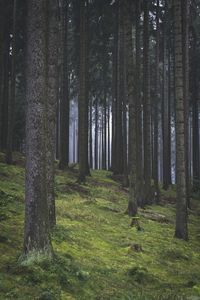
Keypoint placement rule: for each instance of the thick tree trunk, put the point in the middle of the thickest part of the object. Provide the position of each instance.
(36, 238)
(181, 209)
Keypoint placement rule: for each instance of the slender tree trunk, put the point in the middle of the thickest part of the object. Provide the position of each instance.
(96, 135)
(132, 204)
(83, 97)
(52, 105)
(109, 135)
(185, 22)
(147, 108)
(157, 100)
(166, 117)
(181, 209)
(195, 115)
(2, 45)
(139, 131)
(120, 90)
(11, 96)
(64, 94)
(6, 76)
(90, 143)
(37, 237)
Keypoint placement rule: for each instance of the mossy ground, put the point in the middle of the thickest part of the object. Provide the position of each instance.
(97, 254)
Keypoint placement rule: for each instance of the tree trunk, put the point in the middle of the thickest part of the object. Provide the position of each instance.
(64, 94)
(147, 108)
(195, 115)
(52, 106)
(157, 100)
(139, 131)
(96, 135)
(132, 204)
(181, 209)
(37, 237)
(120, 90)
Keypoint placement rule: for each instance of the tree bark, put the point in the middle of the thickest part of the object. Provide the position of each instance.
(36, 237)
(64, 94)
(52, 105)
(147, 108)
(181, 230)
(132, 204)
(83, 96)
(11, 96)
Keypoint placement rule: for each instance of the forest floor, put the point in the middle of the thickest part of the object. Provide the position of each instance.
(98, 255)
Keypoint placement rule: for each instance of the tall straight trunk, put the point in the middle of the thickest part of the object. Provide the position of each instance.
(132, 204)
(114, 99)
(108, 136)
(96, 137)
(36, 237)
(195, 115)
(120, 93)
(90, 142)
(105, 131)
(139, 131)
(83, 96)
(185, 22)
(114, 87)
(52, 40)
(64, 94)
(181, 230)
(125, 102)
(166, 120)
(6, 76)
(147, 107)
(102, 138)
(169, 116)
(157, 100)
(11, 96)
(2, 45)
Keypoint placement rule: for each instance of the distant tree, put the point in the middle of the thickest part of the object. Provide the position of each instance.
(147, 107)
(83, 95)
(156, 103)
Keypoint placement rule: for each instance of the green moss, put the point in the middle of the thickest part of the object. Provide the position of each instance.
(93, 244)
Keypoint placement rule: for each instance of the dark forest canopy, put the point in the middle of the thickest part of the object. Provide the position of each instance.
(100, 84)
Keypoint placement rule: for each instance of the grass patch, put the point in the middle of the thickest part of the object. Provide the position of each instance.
(95, 247)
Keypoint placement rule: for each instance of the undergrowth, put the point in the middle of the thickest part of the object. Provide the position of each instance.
(97, 254)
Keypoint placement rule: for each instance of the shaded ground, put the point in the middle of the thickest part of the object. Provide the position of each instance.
(97, 254)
